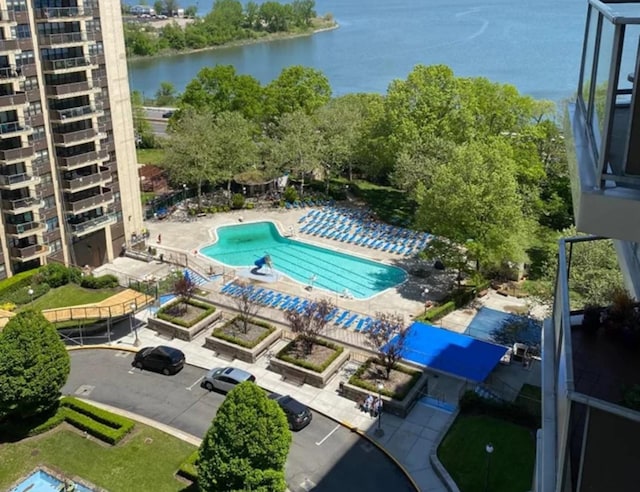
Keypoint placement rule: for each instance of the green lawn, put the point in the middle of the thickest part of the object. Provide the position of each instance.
(150, 156)
(463, 454)
(147, 196)
(390, 204)
(70, 295)
(144, 461)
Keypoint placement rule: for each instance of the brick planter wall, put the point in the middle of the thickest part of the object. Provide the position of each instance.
(394, 407)
(233, 351)
(301, 375)
(168, 329)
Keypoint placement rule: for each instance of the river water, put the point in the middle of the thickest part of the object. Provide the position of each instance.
(532, 44)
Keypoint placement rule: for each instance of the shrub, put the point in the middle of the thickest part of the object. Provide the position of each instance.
(283, 355)
(21, 296)
(7, 306)
(438, 312)
(237, 201)
(102, 282)
(290, 194)
(473, 403)
(104, 425)
(57, 275)
(188, 468)
(356, 380)
(223, 334)
(19, 280)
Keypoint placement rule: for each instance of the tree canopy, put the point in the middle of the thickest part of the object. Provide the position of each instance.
(33, 367)
(247, 445)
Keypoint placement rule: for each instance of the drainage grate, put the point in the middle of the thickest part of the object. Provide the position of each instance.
(84, 390)
(307, 485)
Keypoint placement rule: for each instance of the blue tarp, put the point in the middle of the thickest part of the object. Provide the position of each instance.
(450, 352)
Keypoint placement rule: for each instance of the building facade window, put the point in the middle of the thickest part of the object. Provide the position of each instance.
(52, 224)
(55, 246)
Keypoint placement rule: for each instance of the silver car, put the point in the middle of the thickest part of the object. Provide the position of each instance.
(225, 378)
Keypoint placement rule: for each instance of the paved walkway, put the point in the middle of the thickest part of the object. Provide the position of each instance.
(409, 441)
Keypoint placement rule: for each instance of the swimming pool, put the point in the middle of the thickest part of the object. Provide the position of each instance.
(241, 245)
(41, 481)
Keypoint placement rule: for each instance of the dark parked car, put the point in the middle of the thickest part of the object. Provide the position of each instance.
(225, 378)
(166, 360)
(298, 415)
(168, 114)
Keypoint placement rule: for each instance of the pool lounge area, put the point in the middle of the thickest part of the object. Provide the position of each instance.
(43, 480)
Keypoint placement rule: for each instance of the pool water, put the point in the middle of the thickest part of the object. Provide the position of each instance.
(41, 481)
(241, 245)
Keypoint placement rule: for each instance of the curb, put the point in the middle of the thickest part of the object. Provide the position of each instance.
(437, 465)
(121, 348)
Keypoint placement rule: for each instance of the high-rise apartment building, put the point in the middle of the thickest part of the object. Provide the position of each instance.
(68, 173)
(589, 440)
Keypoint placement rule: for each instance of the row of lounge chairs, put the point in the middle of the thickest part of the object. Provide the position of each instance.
(338, 317)
(308, 203)
(346, 226)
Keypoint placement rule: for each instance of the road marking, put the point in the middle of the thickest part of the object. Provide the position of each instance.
(308, 485)
(328, 435)
(197, 381)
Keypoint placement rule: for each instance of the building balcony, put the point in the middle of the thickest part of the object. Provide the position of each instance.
(7, 17)
(84, 204)
(82, 182)
(10, 73)
(75, 114)
(67, 38)
(74, 138)
(589, 441)
(14, 129)
(70, 64)
(28, 253)
(25, 229)
(15, 155)
(81, 160)
(16, 181)
(88, 226)
(73, 89)
(61, 14)
(21, 205)
(17, 99)
(9, 45)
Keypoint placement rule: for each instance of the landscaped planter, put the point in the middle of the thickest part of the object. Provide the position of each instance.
(401, 408)
(300, 375)
(226, 347)
(170, 329)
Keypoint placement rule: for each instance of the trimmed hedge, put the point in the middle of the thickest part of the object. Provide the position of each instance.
(103, 282)
(208, 310)
(373, 387)
(104, 425)
(222, 335)
(21, 296)
(473, 403)
(441, 311)
(282, 355)
(189, 467)
(19, 280)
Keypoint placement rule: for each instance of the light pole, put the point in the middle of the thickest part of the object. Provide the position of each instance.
(134, 328)
(379, 431)
(30, 292)
(489, 449)
(425, 293)
(184, 191)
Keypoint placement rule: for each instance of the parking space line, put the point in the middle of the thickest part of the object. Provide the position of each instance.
(328, 435)
(189, 388)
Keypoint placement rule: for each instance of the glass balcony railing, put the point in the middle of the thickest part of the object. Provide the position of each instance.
(69, 63)
(56, 13)
(64, 114)
(12, 127)
(90, 225)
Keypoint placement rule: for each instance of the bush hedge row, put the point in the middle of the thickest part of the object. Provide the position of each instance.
(102, 424)
(21, 296)
(356, 380)
(188, 468)
(19, 280)
(103, 282)
(473, 403)
(164, 313)
(438, 312)
(222, 334)
(284, 356)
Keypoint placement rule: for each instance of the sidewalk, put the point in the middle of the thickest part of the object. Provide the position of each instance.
(409, 441)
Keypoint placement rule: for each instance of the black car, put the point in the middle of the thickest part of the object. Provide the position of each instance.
(168, 114)
(298, 415)
(166, 360)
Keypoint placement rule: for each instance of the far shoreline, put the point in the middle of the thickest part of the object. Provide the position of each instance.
(234, 44)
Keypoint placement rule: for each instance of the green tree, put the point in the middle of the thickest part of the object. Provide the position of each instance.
(297, 88)
(475, 197)
(303, 11)
(33, 367)
(247, 445)
(141, 126)
(298, 144)
(273, 16)
(220, 89)
(170, 7)
(158, 6)
(174, 36)
(166, 94)
(191, 12)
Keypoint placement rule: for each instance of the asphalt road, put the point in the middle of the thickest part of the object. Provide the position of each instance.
(157, 122)
(324, 456)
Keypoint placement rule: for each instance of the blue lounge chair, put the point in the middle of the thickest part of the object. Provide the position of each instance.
(276, 300)
(267, 298)
(302, 306)
(227, 287)
(255, 294)
(350, 321)
(286, 300)
(342, 317)
(331, 315)
(360, 324)
(292, 305)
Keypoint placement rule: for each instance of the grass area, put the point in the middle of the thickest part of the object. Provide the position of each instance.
(389, 204)
(147, 196)
(463, 454)
(530, 397)
(146, 460)
(70, 295)
(150, 156)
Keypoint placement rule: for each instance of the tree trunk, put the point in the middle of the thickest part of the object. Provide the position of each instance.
(199, 195)
(350, 172)
(302, 186)
(229, 191)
